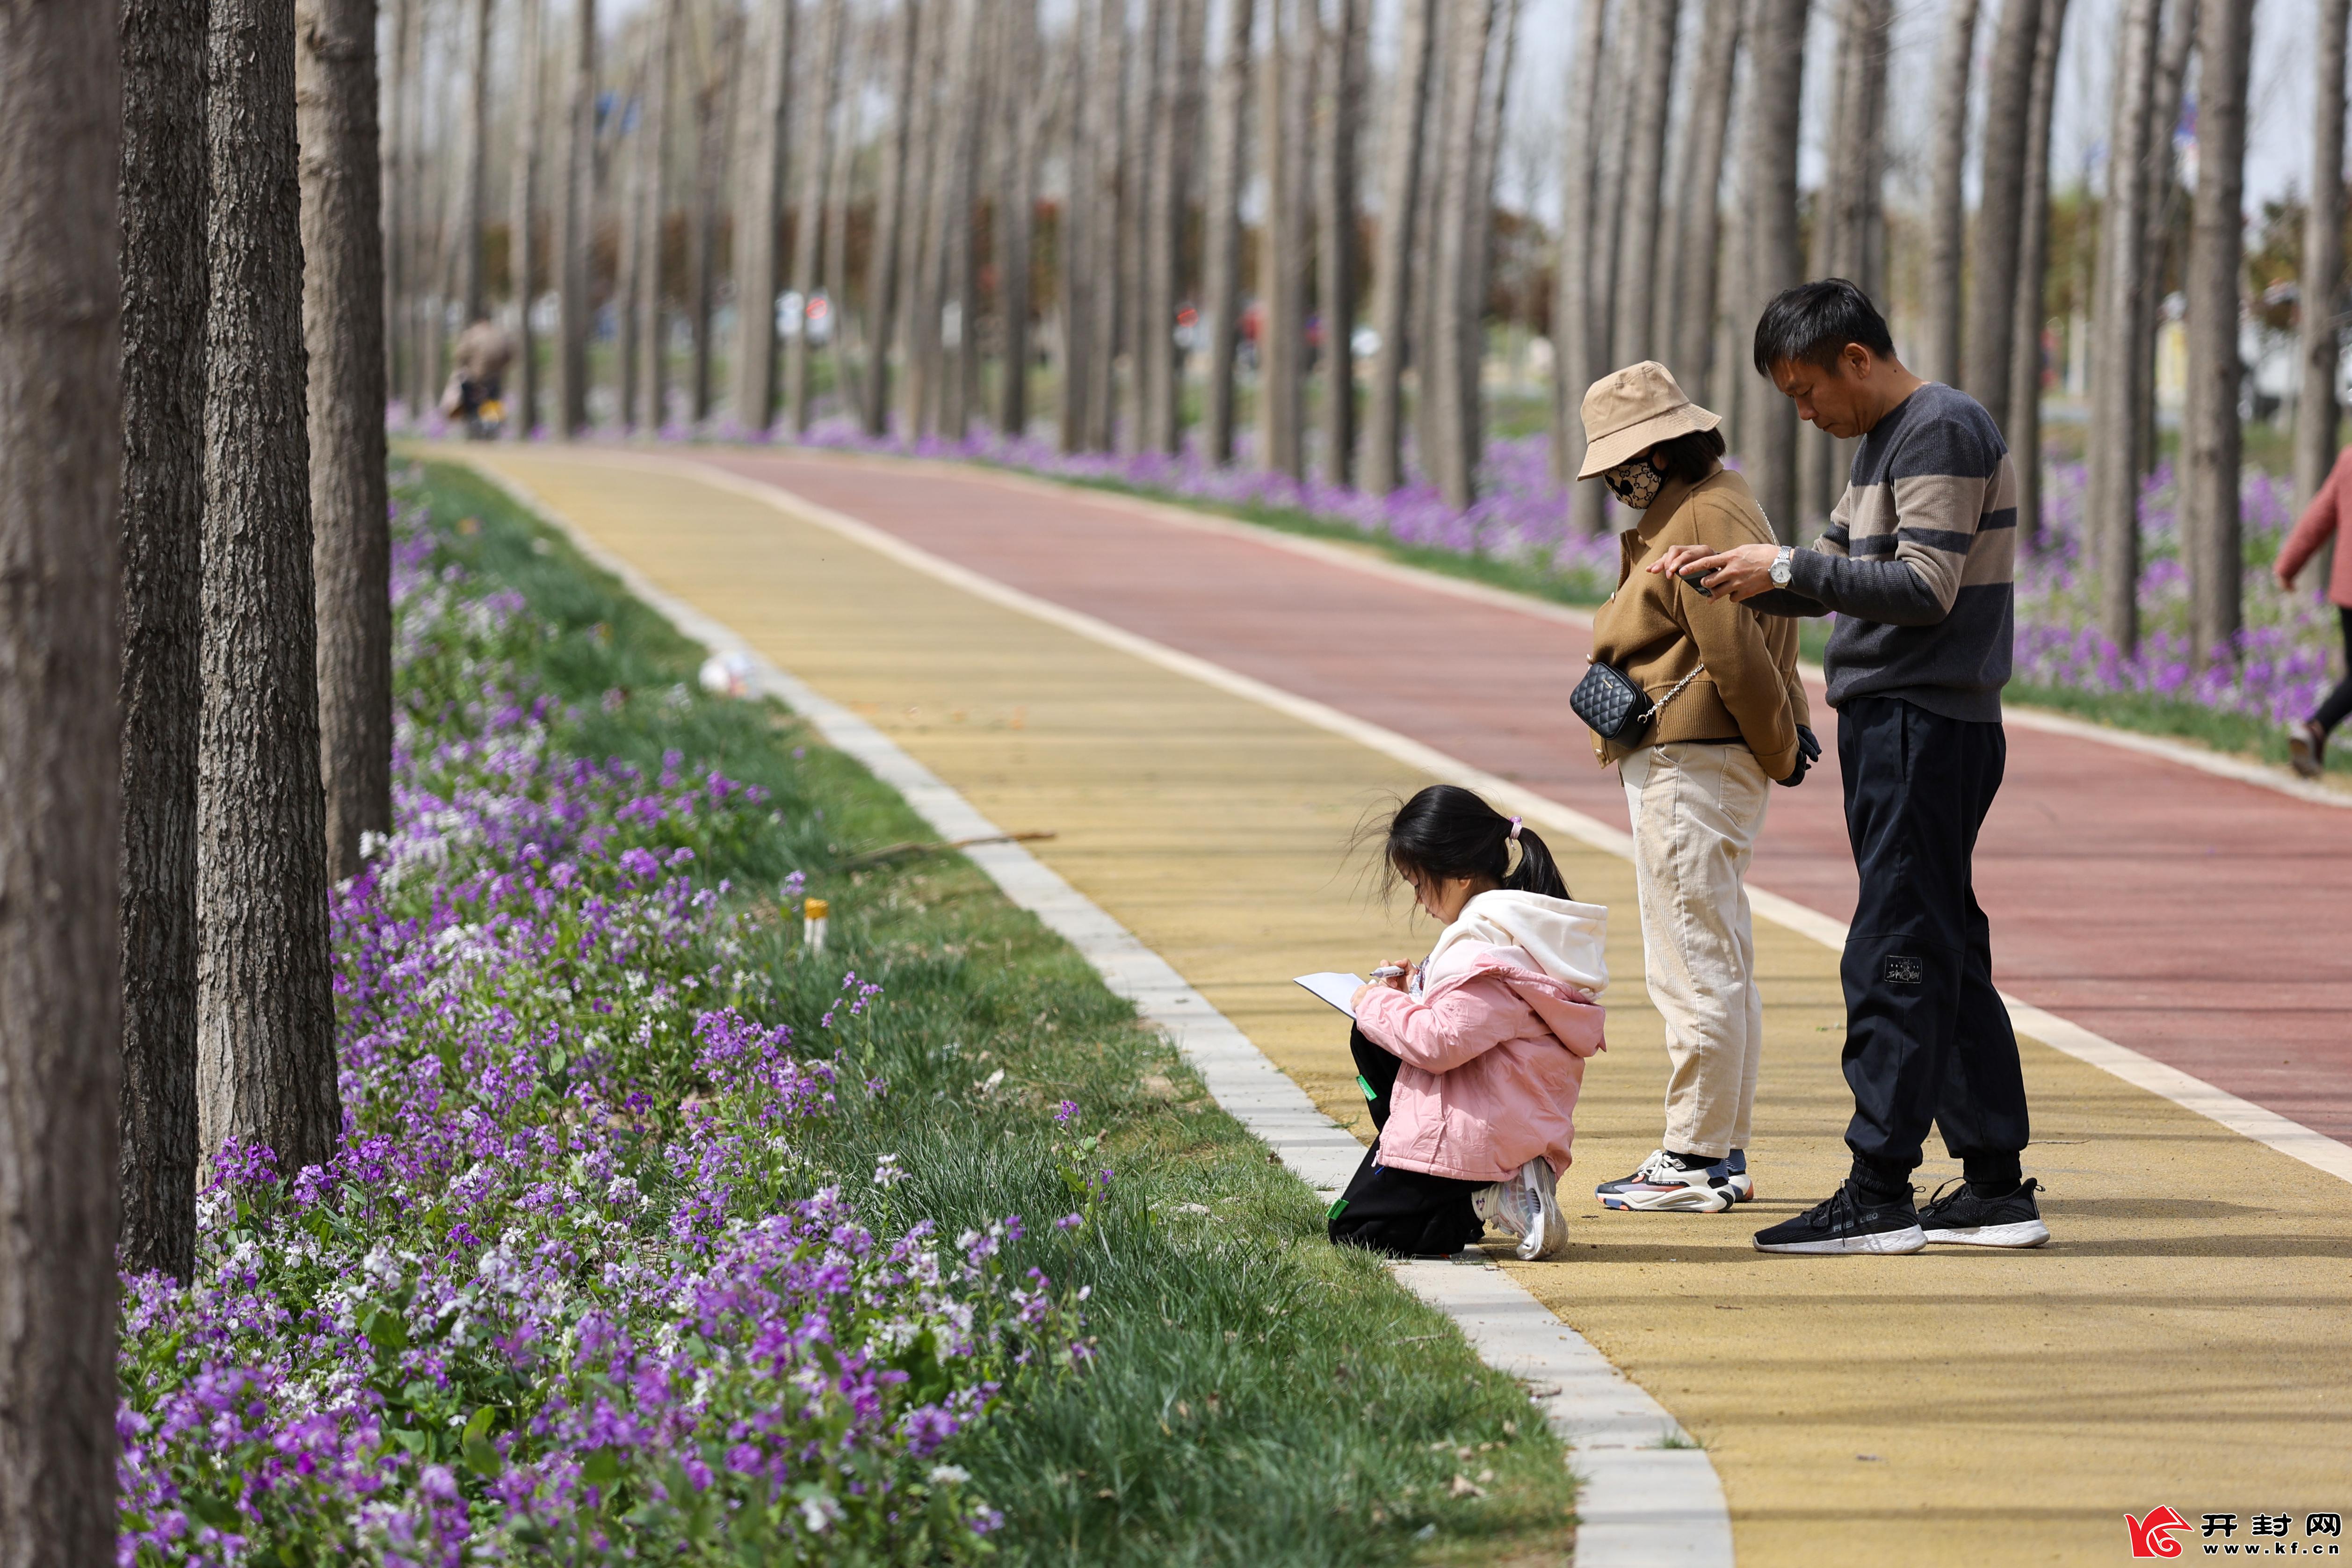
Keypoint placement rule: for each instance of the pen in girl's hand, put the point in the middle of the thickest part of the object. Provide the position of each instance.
(1388, 972)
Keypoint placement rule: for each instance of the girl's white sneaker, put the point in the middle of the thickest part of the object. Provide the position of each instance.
(1532, 1196)
(1493, 1205)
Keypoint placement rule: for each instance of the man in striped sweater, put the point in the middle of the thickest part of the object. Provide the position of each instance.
(1918, 564)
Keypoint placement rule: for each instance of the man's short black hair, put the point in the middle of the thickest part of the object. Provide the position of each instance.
(1813, 323)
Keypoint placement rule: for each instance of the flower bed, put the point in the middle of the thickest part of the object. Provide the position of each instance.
(577, 1284)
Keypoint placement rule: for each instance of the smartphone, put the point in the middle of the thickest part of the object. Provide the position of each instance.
(1693, 579)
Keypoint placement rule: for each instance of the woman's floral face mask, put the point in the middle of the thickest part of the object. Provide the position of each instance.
(1634, 483)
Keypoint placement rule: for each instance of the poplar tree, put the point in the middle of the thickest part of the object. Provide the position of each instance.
(162, 264)
(2211, 437)
(2316, 417)
(61, 450)
(264, 1041)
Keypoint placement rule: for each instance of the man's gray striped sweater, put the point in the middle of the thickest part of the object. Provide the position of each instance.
(1919, 562)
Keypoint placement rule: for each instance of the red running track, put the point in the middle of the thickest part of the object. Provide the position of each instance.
(2201, 921)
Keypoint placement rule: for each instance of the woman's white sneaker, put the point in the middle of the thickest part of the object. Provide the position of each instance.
(1663, 1183)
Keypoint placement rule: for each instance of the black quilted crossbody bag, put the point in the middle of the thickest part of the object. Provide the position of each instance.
(1614, 709)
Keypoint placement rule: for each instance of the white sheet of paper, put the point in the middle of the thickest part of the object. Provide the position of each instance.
(1338, 990)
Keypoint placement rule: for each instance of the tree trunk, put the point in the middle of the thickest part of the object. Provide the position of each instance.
(1478, 265)
(799, 362)
(1220, 257)
(1574, 309)
(1948, 151)
(1851, 232)
(2033, 268)
(628, 124)
(1282, 71)
(61, 846)
(342, 258)
(265, 1042)
(2111, 505)
(575, 211)
(419, 304)
(522, 238)
(839, 322)
(764, 138)
(1426, 316)
(1453, 361)
(960, 390)
(1164, 226)
(714, 105)
(1646, 166)
(890, 213)
(1992, 291)
(162, 271)
(653, 152)
(473, 176)
(1016, 212)
(2316, 415)
(1104, 214)
(1776, 260)
(1073, 268)
(428, 219)
(959, 140)
(1691, 310)
(2166, 207)
(1393, 283)
(1816, 450)
(1138, 166)
(2210, 436)
(1336, 233)
(395, 205)
(926, 181)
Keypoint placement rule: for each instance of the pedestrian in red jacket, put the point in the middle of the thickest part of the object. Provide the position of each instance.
(2322, 521)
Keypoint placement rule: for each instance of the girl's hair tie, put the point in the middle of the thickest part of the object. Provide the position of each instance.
(1514, 834)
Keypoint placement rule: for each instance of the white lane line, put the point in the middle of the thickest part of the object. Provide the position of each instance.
(1364, 559)
(2241, 1116)
(1643, 1505)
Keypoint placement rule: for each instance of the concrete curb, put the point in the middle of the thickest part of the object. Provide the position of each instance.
(1643, 1504)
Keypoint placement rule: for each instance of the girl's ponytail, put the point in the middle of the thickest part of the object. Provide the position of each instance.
(1446, 831)
(1536, 871)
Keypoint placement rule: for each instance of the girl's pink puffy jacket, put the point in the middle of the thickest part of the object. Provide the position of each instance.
(1493, 1042)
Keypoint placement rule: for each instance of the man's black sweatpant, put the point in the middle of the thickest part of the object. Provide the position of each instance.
(1402, 1213)
(1926, 1037)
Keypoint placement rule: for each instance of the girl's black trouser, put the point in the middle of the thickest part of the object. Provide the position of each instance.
(1927, 1036)
(1402, 1213)
(2338, 705)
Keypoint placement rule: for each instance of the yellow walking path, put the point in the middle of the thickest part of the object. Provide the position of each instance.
(2186, 1341)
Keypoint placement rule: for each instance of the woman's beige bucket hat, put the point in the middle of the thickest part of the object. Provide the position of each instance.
(1628, 411)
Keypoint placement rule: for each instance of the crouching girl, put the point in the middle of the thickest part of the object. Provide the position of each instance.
(1473, 1058)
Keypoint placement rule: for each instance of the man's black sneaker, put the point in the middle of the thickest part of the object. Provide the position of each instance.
(1848, 1220)
(1960, 1216)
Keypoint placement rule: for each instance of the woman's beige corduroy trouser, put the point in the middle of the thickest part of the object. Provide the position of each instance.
(1696, 810)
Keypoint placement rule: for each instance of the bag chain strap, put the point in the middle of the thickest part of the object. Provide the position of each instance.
(1672, 693)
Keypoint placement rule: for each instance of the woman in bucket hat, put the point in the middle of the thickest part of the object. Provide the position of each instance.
(1729, 721)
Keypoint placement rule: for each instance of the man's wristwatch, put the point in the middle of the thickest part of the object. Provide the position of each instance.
(1780, 566)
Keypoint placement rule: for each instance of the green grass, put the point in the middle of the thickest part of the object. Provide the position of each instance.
(1258, 1396)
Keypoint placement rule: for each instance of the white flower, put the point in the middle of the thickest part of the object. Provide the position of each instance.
(887, 1172)
(819, 1511)
(949, 1475)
